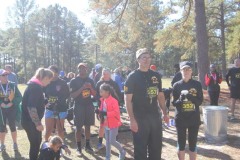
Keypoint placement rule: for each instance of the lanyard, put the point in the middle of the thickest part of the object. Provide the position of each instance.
(5, 91)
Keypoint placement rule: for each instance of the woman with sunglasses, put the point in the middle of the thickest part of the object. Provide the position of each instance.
(10, 98)
(187, 97)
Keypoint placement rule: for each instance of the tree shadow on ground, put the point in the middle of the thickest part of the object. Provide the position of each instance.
(211, 153)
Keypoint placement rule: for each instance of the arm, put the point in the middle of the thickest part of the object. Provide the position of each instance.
(66, 90)
(161, 102)
(17, 97)
(198, 99)
(128, 103)
(220, 79)
(227, 78)
(34, 116)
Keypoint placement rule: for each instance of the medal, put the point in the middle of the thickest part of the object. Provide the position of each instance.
(5, 93)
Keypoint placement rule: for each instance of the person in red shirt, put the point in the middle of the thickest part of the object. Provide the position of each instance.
(212, 81)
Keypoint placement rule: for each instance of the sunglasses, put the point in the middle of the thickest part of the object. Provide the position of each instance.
(4, 75)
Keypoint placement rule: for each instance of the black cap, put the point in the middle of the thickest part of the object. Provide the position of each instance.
(185, 64)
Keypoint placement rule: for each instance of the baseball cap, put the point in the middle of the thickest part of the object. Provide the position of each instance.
(185, 64)
(212, 66)
(141, 51)
(82, 65)
(98, 66)
(3, 72)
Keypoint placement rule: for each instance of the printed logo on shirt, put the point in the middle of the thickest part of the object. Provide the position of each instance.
(237, 75)
(193, 92)
(58, 88)
(154, 80)
(125, 88)
(86, 93)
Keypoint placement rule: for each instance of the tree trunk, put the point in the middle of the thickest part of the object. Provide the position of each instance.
(24, 52)
(202, 40)
(224, 65)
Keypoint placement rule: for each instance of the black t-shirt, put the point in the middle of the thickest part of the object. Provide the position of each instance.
(85, 97)
(177, 77)
(234, 75)
(187, 112)
(145, 87)
(57, 92)
(112, 84)
(33, 98)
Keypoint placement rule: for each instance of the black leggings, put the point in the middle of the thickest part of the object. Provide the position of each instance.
(35, 139)
(192, 137)
(214, 96)
(10, 115)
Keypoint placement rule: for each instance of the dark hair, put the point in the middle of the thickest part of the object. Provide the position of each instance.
(110, 89)
(54, 68)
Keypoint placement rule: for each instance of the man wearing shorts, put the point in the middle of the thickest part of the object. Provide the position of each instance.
(81, 88)
(233, 81)
(144, 99)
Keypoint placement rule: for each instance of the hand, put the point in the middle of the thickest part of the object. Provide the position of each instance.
(10, 104)
(166, 119)
(40, 128)
(3, 105)
(134, 125)
(103, 113)
(67, 151)
(182, 97)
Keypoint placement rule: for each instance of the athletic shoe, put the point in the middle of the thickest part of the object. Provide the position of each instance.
(88, 148)
(15, 147)
(122, 155)
(79, 153)
(2, 147)
(100, 146)
(232, 117)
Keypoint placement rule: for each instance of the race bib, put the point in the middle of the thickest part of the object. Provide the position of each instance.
(188, 106)
(152, 92)
(52, 99)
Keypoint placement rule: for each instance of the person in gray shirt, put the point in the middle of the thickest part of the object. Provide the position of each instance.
(11, 76)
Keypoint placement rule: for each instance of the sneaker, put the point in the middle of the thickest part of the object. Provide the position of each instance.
(88, 148)
(100, 146)
(122, 155)
(232, 117)
(2, 147)
(79, 153)
(15, 147)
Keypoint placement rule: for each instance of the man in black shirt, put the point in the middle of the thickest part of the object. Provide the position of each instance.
(177, 76)
(81, 88)
(143, 95)
(234, 85)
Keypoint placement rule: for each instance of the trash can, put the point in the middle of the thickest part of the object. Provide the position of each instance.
(215, 123)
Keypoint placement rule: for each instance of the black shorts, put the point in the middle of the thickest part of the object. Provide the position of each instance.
(235, 92)
(84, 116)
(10, 115)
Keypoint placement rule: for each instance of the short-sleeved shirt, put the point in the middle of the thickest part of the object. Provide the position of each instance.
(234, 74)
(33, 98)
(85, 97)
(145, 87)
(57, 92)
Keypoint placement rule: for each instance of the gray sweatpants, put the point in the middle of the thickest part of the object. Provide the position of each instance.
(110, 135)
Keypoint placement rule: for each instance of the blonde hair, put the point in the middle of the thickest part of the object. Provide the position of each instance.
(69, 74)
(41, 73)
(55, 140)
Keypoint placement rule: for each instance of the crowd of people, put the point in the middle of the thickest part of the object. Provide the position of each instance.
(49, 91)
